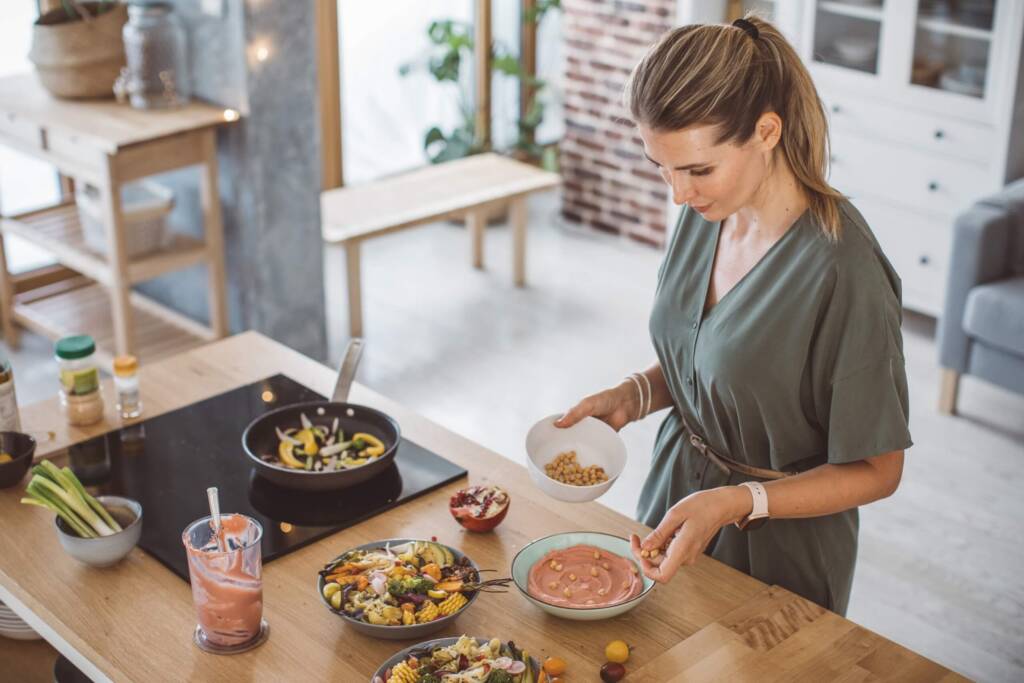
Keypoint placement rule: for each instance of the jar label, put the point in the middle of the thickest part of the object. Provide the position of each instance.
(80, 382)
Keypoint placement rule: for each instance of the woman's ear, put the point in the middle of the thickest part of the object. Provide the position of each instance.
(768, 131)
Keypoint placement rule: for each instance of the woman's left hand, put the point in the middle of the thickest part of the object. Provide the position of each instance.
(687, 528)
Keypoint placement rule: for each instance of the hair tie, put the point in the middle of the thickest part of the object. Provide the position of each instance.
(748, 27)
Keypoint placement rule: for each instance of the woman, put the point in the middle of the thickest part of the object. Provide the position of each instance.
(776, 324)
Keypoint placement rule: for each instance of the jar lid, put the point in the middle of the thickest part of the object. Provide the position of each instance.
(125, 365)
(77, 346)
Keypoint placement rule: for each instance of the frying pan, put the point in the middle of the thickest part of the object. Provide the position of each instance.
(260, 437)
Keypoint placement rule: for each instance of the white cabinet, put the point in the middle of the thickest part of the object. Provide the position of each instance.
(925, 100)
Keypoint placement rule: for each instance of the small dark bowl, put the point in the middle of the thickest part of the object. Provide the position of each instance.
(21, 447)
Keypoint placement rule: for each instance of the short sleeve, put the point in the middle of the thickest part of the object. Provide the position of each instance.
(860, 382)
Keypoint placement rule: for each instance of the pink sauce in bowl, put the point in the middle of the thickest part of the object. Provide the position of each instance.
(584, 577)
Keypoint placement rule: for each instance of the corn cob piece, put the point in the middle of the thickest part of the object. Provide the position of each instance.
(428, 612)
(452, 604)
(402, 673)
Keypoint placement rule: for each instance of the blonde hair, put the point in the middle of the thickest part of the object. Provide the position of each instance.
(728, 76)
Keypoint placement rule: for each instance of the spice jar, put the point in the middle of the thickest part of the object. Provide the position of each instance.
(80, 396)
(126, 382)
(10, 420)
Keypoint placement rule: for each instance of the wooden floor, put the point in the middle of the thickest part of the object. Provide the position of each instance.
(939, 567)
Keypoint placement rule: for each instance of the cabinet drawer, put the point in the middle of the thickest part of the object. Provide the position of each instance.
(918, 246)
(925, 132)
(72, 148)
(20, 129)
(865, 167)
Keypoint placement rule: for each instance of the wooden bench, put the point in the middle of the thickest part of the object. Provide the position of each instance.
(468, 188)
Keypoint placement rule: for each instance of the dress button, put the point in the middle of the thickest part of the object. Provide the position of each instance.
(695, 326)
(689, 381)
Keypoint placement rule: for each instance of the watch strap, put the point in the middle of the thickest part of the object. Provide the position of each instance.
(759, 508)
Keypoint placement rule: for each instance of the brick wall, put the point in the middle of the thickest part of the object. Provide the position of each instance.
(608, 183)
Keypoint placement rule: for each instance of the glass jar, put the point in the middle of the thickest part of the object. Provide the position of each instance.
(10, 419)
(81, 397)
(157, 74)
(126, 382)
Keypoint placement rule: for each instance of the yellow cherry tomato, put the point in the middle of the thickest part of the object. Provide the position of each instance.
(554, 666)
(616, 651)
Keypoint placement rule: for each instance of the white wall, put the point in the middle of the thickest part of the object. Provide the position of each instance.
(24, 182)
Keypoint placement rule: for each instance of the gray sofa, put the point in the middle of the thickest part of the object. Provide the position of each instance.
(981, 331)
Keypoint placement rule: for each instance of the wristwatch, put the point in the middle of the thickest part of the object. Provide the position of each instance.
(759, 512)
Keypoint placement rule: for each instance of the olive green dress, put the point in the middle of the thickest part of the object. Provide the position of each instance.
(798, 365)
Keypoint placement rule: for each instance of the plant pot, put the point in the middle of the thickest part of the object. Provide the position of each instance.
(78, 58)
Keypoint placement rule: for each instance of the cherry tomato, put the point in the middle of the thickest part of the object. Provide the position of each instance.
(554, 666)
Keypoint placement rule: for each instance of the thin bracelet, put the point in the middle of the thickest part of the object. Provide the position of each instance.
(650, 393)
(644, 400)
(640, 393)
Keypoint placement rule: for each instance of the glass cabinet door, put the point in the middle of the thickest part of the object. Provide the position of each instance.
(847, 33)
(952, 42)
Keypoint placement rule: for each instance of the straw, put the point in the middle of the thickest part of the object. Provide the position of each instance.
(211, 495)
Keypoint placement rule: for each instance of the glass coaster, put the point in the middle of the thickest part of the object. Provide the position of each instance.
(199, 637)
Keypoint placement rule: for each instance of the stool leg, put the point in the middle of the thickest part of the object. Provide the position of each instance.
(949, 386)
(517, 217)
(11, 333)
(341, 274)
(475, 224)
(355, 297)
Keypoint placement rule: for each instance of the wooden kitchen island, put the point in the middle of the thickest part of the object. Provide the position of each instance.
(134, 622)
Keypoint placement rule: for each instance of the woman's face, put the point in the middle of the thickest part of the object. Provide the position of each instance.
(714, 179)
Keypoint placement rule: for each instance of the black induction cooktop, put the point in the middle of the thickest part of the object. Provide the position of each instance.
(166, 463)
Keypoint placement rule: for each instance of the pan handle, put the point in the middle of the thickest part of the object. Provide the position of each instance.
(347, 370)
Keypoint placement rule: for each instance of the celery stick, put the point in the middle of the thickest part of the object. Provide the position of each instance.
(95, 504)
(69, 520)
(80, 507)
(80, 496)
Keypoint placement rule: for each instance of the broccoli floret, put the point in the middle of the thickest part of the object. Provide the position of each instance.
(409, 584)
(499, 676)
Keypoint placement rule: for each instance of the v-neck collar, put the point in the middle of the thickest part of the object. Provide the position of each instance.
(705, 312)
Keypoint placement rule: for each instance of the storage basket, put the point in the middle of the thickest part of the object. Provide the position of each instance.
(144, 205)
(79, 59)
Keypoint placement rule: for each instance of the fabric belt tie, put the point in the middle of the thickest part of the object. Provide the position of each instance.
(726, 464)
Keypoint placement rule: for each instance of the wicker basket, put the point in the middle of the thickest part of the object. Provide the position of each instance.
(81, 58)
(144, 205)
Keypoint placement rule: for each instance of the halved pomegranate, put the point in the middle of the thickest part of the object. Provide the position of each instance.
(479, 508)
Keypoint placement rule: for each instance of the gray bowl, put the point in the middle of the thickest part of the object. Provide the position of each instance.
(396, 632)
(106, 550)
(439, 642)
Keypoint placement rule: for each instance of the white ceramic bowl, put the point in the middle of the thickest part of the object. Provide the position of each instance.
(532, 553)
(106, 550)
(595, 443)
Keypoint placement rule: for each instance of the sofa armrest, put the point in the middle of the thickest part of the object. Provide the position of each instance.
(981, 244)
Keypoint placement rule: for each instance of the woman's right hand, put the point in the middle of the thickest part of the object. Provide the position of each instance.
(617, 407)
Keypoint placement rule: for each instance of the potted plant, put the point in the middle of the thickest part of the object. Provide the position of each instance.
(77, 48)
(451, 44)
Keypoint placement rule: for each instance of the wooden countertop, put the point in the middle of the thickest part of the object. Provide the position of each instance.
(133, 622)
(106, 124)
